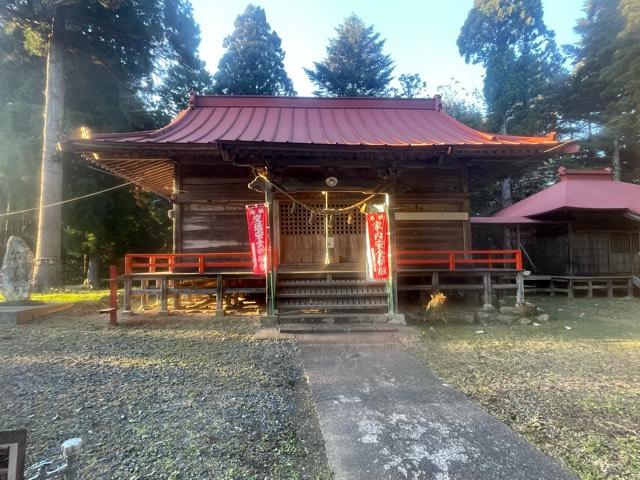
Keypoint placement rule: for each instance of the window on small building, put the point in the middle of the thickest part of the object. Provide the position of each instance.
(623, 242)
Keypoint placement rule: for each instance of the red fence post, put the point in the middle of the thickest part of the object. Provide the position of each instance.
(113, 295)
(518, 259)
(452, 261)
(127, 263)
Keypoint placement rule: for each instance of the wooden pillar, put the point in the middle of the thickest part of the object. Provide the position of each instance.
(219, 296)
(487, 293)
(113, 295)
(392, 283)
(164, 306)
(271, 273)
(435, 282)
(127, 294)
(570, 247)
(176, 220)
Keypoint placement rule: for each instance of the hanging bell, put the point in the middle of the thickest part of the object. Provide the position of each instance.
(363, 208)
(350, 217)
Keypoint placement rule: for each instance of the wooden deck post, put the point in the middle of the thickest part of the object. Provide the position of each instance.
(219, 296)
(126, 308)
(113, 295)
(519, 287)
(487, 294)
(435, 283)
(164, 305)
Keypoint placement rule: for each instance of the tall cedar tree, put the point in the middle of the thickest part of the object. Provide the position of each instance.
(254, 61)
(355, 65)
(522, 63)
(604, 90)
(105, 70)
(184, 71)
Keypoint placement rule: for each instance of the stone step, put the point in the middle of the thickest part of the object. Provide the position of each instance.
(301, 328)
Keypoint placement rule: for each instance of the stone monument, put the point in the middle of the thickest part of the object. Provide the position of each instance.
(16, 271)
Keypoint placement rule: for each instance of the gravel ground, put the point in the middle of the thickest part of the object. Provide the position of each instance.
(178, 398)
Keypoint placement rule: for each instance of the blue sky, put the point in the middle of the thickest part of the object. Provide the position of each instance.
(421, 34)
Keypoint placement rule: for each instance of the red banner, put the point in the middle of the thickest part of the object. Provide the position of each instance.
(377, 231)
(258, 237)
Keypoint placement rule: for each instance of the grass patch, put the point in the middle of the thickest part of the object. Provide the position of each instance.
(84, 296)
(572, 386)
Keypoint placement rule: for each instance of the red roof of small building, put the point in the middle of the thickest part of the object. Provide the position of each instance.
(592, 190)
(322, 121)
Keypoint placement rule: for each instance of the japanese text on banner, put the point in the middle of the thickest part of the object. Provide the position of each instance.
(258, 237)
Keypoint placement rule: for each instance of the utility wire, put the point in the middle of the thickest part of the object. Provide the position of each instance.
(69, 200)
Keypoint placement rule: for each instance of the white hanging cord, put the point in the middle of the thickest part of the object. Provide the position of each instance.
(69, 200)
(313, 210)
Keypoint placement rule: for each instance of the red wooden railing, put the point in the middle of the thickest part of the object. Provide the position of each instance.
(453, 259)
(186, 262)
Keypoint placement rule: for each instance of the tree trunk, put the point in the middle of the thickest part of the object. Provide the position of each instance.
(615, 160)
(505, 190)
(48, 270)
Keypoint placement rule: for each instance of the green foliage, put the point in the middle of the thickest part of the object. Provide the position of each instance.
(184, 71)
(522, 63)
(355, 65)
(603, 95)
(411, 86)
(253, 63)
(465, 106)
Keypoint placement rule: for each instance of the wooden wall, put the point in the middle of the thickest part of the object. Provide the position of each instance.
(432, 211)
(211, 204)
(210, 200)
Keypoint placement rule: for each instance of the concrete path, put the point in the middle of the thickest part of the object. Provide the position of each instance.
(384, 415)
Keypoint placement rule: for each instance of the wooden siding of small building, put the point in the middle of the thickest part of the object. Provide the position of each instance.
(593, 245)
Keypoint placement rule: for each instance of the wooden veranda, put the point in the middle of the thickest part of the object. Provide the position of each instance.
(171, 276)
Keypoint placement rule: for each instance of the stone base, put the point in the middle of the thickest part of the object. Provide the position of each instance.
(12, 315)
(397, 319)
(268, 321)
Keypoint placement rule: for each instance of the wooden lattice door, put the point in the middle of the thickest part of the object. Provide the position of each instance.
(309, 239)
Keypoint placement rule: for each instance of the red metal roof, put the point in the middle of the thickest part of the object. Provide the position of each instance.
(576, 190)
(321, 121)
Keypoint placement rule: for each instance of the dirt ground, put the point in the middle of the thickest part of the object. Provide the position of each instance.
(571, 386)
(181, 397)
